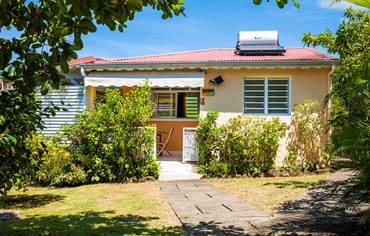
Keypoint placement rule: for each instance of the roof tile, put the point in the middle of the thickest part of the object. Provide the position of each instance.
(211, 55)
(84, 60)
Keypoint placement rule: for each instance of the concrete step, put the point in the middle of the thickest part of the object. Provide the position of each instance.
(168, 176)
(176, 170)
(176, 167)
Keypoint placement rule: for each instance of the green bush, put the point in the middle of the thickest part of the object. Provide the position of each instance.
(207, 139)
(56, 167)
(307, 137)
(113, 142)
(244, 145)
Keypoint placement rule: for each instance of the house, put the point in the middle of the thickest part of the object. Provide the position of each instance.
(258, 77)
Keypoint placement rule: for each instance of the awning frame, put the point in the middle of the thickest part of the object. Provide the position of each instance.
(155, 79)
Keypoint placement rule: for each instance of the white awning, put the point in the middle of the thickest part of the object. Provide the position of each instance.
(158, 79)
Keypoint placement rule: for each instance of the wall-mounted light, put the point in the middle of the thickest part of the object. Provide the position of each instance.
(216, 81)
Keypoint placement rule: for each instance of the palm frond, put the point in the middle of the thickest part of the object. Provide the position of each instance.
(362, 3)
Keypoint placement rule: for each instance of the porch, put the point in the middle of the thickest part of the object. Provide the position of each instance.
(176, 96)
(175, 143)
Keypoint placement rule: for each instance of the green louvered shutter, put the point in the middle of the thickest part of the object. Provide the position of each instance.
(192, 105)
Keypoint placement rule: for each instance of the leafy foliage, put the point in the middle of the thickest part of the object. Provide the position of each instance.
(307, 137)
(362, 3)
(113, 141)
(280, 3)
(207, 138)
(56, 167)
(283, 3)
(350, 91)
(18, 120)
(48, 34)
(350, 96)
(244, 145)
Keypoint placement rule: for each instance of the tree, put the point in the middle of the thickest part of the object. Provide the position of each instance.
(350, 88)
(280, 3)
(283, 3)
(50, 33)
(362, 3)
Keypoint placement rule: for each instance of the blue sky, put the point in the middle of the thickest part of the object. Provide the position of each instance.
(211, 24)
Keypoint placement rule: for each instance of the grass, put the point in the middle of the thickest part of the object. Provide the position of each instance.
(268, 193)
(100, 209)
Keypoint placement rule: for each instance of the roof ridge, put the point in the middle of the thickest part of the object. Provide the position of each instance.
(184, 52)
(167, 54)
(215, 55)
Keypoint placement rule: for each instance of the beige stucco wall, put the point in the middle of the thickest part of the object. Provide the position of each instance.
(228, 97)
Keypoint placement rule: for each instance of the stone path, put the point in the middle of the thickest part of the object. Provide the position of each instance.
(327, 209)
(204, 210)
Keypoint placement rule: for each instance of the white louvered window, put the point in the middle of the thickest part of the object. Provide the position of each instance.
(266, 96)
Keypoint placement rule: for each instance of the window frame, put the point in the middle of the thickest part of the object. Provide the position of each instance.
(174, 91)
(266, 98)
(156, 104)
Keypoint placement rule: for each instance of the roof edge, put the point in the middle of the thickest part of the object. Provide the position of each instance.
(207, 66)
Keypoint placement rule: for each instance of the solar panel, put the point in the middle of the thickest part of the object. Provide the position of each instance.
(258, 43)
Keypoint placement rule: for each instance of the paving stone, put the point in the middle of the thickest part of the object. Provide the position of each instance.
(205, 210)
(187, 212)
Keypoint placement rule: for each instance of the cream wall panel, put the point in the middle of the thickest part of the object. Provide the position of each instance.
(305, 84)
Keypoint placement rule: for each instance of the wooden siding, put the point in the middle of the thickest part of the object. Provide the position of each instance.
(73, 98)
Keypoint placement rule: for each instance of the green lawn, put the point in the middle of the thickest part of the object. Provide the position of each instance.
(100, 209)
(268, 193)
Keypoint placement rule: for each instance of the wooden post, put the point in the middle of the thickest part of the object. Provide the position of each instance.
(91, 97)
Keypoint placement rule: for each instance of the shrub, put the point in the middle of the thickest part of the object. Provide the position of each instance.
(113, 141)
(56, 167)
(250, 144)
(207, 138)
(244, 145)
(307, 137)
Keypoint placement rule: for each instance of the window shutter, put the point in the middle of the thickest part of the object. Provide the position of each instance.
(254, 96)
(278, 96)
(191, 105)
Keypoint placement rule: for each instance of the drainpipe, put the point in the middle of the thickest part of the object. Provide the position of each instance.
(329, 101)
(85, 99)
(330, 87)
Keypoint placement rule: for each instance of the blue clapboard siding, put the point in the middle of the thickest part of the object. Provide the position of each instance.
(73, 98)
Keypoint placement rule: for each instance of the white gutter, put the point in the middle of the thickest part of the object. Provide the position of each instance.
(211, 65)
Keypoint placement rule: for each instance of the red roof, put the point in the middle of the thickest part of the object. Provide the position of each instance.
(84, 60)
(215, 55)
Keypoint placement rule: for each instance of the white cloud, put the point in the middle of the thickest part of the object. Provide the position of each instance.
(338, 6)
